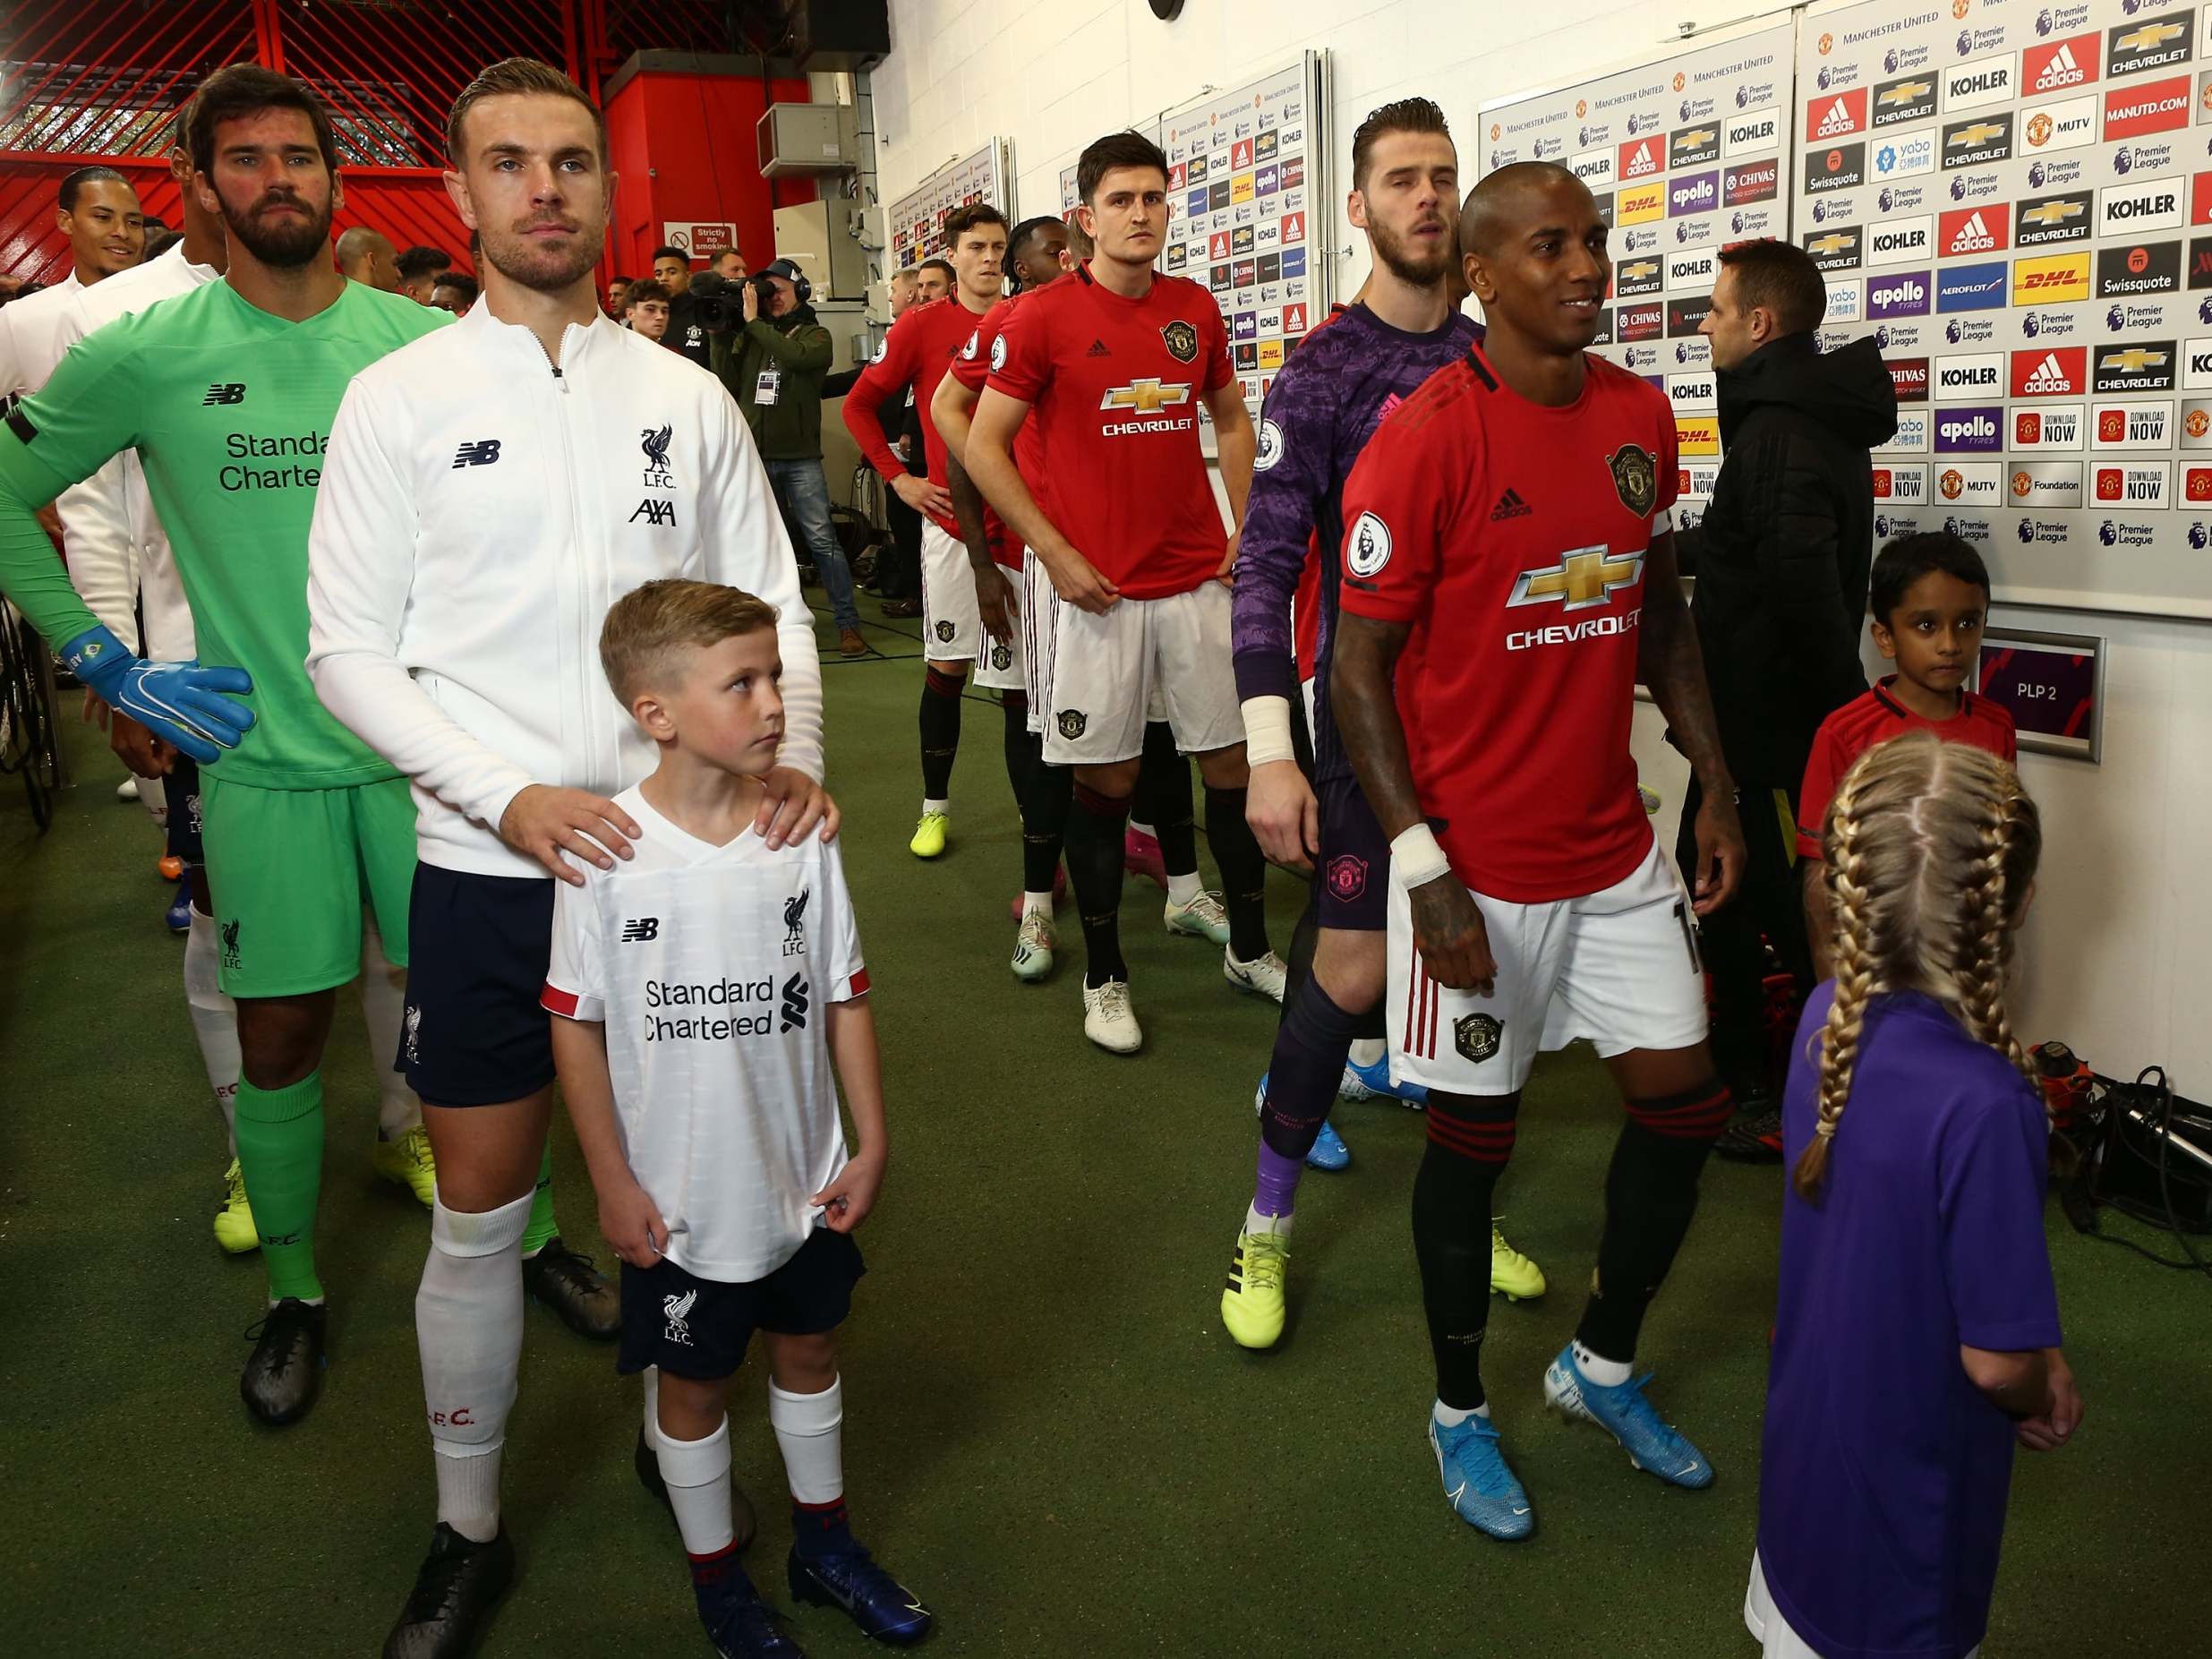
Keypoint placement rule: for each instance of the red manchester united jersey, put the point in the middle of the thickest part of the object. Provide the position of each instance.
(1115, 387)
(916, 353)
(971, 367)
(1875, 718)
(1513, 537)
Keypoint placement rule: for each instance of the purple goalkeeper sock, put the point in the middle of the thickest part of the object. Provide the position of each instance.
(1277, 1189)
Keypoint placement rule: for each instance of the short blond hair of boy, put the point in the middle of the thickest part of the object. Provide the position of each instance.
(646, 627)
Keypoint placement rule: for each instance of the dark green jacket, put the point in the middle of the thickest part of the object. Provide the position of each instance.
(790, 428)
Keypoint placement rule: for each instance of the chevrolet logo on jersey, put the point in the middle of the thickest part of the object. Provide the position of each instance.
(1146, 396)
(1585, 578)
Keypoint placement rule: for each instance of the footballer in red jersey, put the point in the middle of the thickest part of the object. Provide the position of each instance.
(1114, 366)
(918, 351)
(1509, 576)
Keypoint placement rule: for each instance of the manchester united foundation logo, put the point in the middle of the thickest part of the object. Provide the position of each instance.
(1181, 340)
(1635, 479)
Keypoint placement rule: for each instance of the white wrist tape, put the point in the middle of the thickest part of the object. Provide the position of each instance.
(1415, 858)
(1267, 731)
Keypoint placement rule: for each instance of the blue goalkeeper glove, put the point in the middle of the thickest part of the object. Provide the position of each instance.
(178, 702)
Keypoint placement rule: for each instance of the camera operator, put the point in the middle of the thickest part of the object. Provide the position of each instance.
(773, 366)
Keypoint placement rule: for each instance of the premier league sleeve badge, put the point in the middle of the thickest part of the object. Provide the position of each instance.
(1635, 479)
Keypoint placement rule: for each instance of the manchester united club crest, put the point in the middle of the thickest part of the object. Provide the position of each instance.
(944, 632)
(1181, 340)
(1001, 657)
(1073, 721)
(1635, 479)
(1476, 1035)
(1347, 876)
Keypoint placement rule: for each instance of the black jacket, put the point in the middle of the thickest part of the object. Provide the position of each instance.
(1783, 556)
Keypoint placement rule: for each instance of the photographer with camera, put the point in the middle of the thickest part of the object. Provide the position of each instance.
(773, 365)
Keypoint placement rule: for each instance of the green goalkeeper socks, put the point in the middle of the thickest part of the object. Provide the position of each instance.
(542, 1228)
(280, 1155)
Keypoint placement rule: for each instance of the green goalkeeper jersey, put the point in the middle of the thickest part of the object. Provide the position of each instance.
(229, 409)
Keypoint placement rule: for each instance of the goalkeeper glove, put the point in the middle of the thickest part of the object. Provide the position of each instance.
(178, 702)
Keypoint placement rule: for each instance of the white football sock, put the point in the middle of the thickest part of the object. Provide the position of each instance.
(1143, 829)
(697, 1475)
(1452, 1416)
(1365, 1051)
(1254, 1222)
(468, 1323)
(810, 1433)
(1182, 889)
(651, 1378)
(1036, 904)
(383, 1005)
(1607, 1374)
(937, 806)
(214, 1019)
(155, 798)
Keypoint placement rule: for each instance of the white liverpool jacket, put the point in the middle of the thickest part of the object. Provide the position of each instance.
(479, 511)
(119, 557)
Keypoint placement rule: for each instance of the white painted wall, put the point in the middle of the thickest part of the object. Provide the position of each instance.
(2119, 957)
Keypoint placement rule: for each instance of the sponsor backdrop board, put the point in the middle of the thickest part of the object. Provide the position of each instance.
(1685, 154)
(2012, 197)
(1248, 204)
(915, 220)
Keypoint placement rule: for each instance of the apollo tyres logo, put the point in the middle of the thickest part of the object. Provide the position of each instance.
(1149, 400)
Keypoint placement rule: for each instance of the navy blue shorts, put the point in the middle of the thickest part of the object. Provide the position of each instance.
(700, 1328)
(181, 790)
(1352, 878)
(478, 947)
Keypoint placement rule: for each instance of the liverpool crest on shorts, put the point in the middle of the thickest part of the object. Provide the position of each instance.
(1475, 1036)
(1181, 341)
(1072, 723)
(1635, 479)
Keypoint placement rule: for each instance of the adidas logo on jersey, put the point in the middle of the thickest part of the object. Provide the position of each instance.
(233, 391)
(2049, 376)
(1510, 506)
(1098, 349)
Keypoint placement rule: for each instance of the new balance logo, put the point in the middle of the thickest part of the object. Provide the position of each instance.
(2049, 376)
(654, 512)
(482, 453)
(1098, 349)
(640, 928)
(1510, 506)
(229, 392)
(797, 993)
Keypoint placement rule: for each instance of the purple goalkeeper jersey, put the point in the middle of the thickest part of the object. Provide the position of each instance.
(1338, 385)
(1884, 1470)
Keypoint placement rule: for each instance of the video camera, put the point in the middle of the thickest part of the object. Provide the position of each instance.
(721, 305)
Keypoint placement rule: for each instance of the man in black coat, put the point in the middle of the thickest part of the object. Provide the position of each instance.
(1781, 561)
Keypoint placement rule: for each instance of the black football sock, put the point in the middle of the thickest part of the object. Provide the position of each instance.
(1243, 872)
(940, 723)
(1470, 1139)
(1303, 1072)
(1046, 791)
(1164, 799)
(1097, 824)
(1651, 1194)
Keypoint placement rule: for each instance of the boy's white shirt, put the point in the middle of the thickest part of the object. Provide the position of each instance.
(712, 969)
(479, 512)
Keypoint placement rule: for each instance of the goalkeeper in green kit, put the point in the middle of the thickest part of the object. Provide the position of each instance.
(227, 393)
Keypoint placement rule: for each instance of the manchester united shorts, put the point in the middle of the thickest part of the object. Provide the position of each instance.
(1619, 969)
(1040, 600)
(1109, 670)
(1005, 667)
(951, 627)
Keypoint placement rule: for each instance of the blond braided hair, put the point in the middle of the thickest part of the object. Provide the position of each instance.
(1931, 849)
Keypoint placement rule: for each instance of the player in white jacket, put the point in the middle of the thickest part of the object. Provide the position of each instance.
(487, 493)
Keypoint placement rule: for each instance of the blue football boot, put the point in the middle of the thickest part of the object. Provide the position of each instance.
(882, 1606)
(1653, 1444)
(1376, 1080)
(1477, 1481)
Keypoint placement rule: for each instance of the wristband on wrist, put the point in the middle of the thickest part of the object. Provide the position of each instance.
(1267, 731)
(1415, 858)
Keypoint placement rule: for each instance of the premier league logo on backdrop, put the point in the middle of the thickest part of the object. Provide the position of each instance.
(2197, 538)
(2029, 325)
(2119, 161)
(1957, 190)
(2107, 534)
(1885, 199)
(1882, 337)
(1821, 78)
(2115, 320)
(1966, 42)
(2043, 22)
(1743, 98)
(2204, 311)
(2034, 174)
(1951, 333)
(2027, 531)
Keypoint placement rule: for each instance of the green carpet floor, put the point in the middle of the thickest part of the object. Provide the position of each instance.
(1049, 1435)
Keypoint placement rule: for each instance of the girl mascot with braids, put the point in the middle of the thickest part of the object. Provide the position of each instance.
(1916, 1335)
